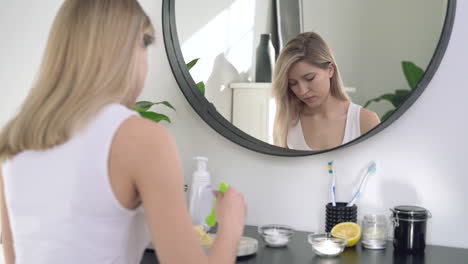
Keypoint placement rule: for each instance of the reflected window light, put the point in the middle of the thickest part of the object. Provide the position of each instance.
(241, 20)
(240, 55)
(202, 44)
(224, 34)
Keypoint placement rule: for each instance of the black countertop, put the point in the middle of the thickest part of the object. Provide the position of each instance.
(299, 251)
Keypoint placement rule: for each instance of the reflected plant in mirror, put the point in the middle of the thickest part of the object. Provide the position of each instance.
(413, 75)
(200, 85)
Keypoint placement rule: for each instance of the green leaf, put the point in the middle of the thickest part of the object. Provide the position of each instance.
(370, 101)
(166, 103)
(201, 87)
(386, 115)
(396, 99)
(155, 116)
(140, 110)
(400, 97)
(143, 105)
(402, 91)
(192, 63)
(387, 97)
(412, 73)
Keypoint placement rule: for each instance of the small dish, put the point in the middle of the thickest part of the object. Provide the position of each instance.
(323, 244)
(276, 235)
(247, 246)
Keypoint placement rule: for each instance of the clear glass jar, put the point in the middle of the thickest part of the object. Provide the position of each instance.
(374, 231)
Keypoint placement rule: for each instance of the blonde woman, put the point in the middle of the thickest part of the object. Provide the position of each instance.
(313, 112)
(78, 166)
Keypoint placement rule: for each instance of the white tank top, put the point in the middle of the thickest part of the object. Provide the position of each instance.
(61, 205)
(296, 139)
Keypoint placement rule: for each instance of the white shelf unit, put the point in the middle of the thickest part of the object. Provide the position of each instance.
(253, 109)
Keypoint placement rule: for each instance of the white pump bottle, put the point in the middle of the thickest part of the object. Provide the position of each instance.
(201, 193)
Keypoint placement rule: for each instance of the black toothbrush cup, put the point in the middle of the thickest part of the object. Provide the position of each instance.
(339, 214)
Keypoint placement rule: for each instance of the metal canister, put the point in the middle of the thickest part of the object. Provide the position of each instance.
(409, 224)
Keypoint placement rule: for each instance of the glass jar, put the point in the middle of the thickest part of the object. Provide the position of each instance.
(374, 231)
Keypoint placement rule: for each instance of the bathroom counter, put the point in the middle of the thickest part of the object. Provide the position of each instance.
(299, 251)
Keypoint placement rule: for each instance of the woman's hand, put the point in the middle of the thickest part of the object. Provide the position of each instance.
(231, 211)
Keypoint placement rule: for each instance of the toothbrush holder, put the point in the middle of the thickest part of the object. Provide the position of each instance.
(339, 214)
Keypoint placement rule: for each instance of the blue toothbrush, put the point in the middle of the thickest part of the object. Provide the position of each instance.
(371, 170)
(333, 188)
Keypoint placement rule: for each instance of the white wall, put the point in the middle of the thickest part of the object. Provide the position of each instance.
(370, 39)
(421, 156)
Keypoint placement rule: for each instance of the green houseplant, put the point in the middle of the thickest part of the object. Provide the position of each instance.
(200, 85)
(143, 107)
(413, 75)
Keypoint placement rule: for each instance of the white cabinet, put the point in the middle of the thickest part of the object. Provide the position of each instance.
(253, 109)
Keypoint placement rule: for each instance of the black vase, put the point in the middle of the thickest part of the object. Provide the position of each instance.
(265, 59)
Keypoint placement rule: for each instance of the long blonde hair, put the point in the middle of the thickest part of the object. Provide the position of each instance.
(90, 60)
(311, 48)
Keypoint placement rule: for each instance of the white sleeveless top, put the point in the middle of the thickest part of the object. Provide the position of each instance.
(296, 139)
(61, 205)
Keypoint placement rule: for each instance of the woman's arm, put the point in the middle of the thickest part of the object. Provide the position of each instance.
(7, 238)
(152, 161)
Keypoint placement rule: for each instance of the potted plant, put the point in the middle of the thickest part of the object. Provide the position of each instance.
(413, 74)
(143, 107)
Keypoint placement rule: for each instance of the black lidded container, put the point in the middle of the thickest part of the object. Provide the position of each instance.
(409, 223)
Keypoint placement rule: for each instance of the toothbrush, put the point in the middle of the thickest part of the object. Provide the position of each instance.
(370, 170)
(210, 220)
(333, 188)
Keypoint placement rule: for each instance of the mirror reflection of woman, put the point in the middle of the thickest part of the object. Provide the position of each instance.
(313, 111)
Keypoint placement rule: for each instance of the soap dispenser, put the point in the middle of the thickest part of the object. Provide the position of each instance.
(201, 194)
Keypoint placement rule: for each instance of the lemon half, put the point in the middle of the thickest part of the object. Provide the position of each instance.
(205, 239)
(348, 230)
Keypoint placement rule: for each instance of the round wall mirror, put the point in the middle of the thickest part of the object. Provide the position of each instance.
(295, 78)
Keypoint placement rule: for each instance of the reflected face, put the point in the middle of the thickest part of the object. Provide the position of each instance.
(310, 83)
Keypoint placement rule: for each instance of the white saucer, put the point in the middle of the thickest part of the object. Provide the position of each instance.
(247, 246)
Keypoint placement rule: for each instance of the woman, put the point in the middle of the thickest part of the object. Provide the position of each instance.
(78, 166)
(313, 112)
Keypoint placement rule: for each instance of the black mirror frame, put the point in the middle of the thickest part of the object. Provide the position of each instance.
(210, 115)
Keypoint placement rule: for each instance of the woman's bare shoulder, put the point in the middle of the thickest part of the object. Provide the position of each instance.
(142, 131)
(369, 120)
(142, 127)
(140, 143)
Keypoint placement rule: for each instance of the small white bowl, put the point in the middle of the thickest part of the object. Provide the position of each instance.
(276, 235)
(247, 246)
(323, 244)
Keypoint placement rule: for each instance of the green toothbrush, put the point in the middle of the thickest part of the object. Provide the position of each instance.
(210, 220)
